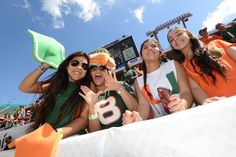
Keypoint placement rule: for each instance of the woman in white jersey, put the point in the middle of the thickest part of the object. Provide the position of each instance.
(163, 89)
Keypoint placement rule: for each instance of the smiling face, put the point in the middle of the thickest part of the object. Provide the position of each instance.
(77, 68)
(180, 40)
(150, 51)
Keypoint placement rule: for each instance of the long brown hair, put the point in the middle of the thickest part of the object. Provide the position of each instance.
(58, 82)
(202, 57)
(144, 67)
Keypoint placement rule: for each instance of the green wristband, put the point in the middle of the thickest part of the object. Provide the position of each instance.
(92, 116)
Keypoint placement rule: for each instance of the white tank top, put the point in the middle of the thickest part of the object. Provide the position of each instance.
(165, 77)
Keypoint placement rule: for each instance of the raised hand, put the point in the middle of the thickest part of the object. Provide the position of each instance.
(89, 96)
(111, 81)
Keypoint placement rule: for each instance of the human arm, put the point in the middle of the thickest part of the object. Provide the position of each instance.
(112, 84)
(31, 84)
(230, 24)
(231, 51)
(143, 108)
(143, 104)
(198, 94)
(200, 97)
(185, 99)
(91, 98)
(77, 125)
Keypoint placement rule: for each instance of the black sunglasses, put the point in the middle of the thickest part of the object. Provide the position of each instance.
(75, 63)
(101, 68)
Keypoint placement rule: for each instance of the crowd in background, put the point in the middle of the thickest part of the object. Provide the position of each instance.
(21, 116)
(226, 32)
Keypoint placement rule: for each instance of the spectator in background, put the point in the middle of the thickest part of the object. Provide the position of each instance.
(28, 116)
(206, 38)
(7, 121)
(20, 113)
(10, 121)
(211, 76)
(5, 141)
(129, 75)
(228, 32)
(8, 140)
(138, 69)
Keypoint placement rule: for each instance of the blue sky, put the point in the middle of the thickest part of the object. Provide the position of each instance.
(86, 25)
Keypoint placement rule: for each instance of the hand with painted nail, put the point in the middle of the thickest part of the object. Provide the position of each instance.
(131, 117)
(176, 104)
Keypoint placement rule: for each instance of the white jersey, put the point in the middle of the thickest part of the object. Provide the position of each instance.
(165, 77)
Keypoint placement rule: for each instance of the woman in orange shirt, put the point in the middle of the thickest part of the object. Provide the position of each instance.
(211, 69)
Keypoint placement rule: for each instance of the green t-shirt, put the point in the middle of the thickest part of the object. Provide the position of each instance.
(111, 110)
(60, 100)
(226, 36)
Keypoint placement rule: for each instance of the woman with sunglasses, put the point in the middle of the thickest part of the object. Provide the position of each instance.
(211, 68)
(61, 107)
(110, 98)
(163, 89)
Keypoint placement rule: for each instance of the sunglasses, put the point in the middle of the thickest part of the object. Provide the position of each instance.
(101, 68)
(75, 63)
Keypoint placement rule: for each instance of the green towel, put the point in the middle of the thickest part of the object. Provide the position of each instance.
(47, 49)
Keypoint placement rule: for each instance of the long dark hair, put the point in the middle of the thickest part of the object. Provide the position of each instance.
(58, 83)
(144, 67)
(202, 57)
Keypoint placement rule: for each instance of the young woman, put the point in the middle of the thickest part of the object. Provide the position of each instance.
(211, 68)
(111, 98)
(62, 106)
(152, 88)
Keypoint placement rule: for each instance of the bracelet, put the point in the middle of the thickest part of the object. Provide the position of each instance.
(41, 67)
(92, 116)
(60, 131)
(120, 90)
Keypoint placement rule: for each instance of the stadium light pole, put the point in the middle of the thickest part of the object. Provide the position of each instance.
(182, 18)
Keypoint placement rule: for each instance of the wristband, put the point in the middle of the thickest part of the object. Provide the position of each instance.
(60, 131)
(41, 67)
(92, 116)
(120, 90)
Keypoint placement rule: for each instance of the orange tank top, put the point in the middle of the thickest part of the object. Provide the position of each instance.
(222, 87)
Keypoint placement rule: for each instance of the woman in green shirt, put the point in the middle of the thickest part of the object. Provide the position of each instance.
(62, 107)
